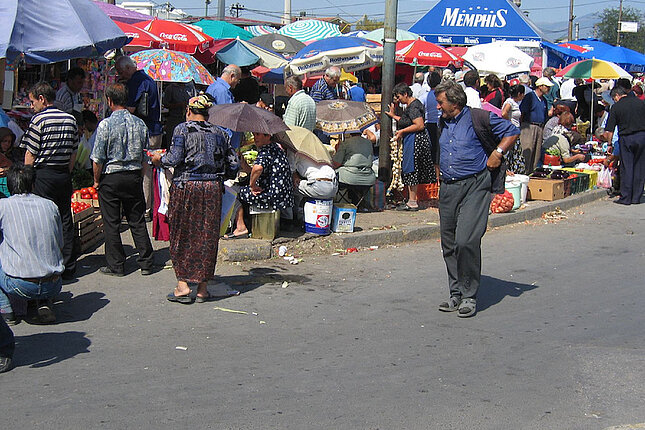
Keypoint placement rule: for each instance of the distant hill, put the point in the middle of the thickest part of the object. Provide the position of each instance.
(558, 29)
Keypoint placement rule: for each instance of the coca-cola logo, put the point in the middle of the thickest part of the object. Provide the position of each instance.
(430, 54)
(177, 36)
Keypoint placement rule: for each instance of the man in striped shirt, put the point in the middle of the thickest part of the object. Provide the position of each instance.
(50, 143)
(301, 109)
(326, 88)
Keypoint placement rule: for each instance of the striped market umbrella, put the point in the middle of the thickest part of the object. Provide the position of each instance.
(178, 36)
(259, 30)
(594, 69)
(170, 66)
(310, 29)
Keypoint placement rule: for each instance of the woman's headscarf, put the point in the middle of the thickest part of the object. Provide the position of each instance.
(5, 131)
(200, 102)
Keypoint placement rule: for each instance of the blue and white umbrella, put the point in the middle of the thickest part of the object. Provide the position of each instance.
(310, 29)
(56, 30)
(350, 53)
(259, 30)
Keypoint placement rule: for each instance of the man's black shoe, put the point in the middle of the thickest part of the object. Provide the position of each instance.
(6, 364)
(108, 271)
(10, 318)
(146, 272)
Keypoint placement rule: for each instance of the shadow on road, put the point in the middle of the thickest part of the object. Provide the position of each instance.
(78, 308)
(44, 349)
(494, 290)
(258, 277)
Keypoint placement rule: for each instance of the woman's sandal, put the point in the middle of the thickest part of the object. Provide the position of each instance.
(232, 236)
(179, 299)
(203, 299)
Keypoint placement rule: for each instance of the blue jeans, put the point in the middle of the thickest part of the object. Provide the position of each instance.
(25, 289)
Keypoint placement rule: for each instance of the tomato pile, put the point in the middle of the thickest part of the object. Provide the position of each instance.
(80, 206)
(87, 193)
(502, 203)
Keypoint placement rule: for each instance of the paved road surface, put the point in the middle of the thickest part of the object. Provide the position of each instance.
(356, 342)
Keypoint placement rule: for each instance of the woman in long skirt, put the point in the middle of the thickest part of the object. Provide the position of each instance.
(202, 157)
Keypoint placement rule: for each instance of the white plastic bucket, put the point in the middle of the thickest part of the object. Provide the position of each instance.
(515, 188)
(524, 181)
(318, 216)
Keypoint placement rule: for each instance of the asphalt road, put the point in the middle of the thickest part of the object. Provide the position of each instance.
(355, 341)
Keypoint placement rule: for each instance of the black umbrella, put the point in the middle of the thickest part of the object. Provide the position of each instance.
(245, 117)
(278, 43)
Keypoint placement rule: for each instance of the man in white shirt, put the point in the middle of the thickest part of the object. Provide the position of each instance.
(311, 179)
(471, 81)
(417, 87)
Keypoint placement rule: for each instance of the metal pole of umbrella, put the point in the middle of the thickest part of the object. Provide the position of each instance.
(387, 85)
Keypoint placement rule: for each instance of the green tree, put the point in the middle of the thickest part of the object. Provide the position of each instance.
(367, 24)
(607, 28)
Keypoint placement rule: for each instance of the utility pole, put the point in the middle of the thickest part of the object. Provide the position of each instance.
(620, 17)
(387, 85)
(571, 18)
(286, 17)
(207, 2)
(221, 9)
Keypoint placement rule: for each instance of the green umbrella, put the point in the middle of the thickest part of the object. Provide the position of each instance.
(222, 30)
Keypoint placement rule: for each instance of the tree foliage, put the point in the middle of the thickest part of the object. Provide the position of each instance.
(608, 28)
(367, 24)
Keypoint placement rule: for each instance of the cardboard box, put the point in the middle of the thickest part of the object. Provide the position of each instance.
(545, 189)
(343, 218)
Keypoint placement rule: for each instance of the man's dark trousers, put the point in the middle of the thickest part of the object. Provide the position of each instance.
(463, 216)
(124, 190)
(632, 167)
(55, 184)
(7, 343)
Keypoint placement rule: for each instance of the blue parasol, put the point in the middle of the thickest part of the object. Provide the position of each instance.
(56, 30)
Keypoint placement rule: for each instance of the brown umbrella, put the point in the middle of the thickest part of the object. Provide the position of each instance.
(343, 116)
(306, 143)
(245, 117)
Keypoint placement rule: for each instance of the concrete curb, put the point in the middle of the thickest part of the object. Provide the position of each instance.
(253, 249)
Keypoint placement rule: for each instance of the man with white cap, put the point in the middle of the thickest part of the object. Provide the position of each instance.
(534, 115)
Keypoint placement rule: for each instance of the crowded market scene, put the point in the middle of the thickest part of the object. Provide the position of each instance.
(201, 135)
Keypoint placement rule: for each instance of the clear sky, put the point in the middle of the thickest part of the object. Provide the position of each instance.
(540, 11)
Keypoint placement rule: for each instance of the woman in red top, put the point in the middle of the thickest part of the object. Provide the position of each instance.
(495, 95)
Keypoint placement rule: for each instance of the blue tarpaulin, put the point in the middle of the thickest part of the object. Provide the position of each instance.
(56, 30)
(472, 22)
(628, 59)
(559, 56)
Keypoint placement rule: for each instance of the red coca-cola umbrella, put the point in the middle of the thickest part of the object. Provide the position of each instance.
(422, 53)
(140, 37)
(178, 36)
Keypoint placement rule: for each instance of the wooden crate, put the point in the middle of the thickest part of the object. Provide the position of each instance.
(89, 233)
(84, 214)
(374, 100)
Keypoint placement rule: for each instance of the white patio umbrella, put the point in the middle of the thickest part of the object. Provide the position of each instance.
(498, 58)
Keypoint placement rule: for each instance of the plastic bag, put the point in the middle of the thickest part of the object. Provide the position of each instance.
(502, 203)
(604, 177)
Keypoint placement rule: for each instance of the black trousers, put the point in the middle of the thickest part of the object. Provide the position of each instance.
(124, 190)
(55, 184)
(463, 216)
(632, 167)
(7, 342)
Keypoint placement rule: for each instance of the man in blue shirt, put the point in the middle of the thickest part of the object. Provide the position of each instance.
(465, 192)
(432, 116)
(143, 101)
(356, 92)
(534, 116)
(221, 88)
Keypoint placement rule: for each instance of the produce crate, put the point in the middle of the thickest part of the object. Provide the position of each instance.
(593, 176)
(93, 202)
(568, 186)
(545, 189)
(89, 232)
(85, 213)
(374, 101)
(581, 183)
(427, 192)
